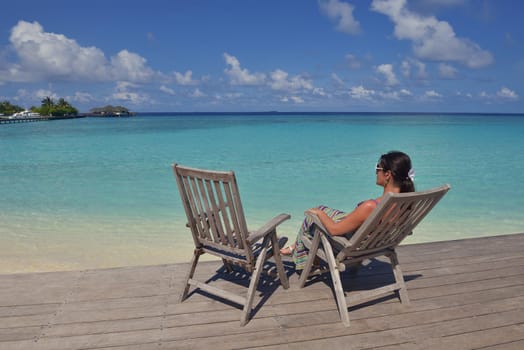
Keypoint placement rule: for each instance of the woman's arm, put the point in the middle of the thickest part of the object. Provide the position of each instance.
(349, 223)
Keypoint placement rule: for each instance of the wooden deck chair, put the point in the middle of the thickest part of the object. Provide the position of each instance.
(216, 219)
(391, 221)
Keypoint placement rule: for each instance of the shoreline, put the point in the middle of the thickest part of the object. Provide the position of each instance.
(48, 243)
(168, 257)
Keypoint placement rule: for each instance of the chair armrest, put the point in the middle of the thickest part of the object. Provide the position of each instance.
(342, 240)
(316, 220)
(269, 227)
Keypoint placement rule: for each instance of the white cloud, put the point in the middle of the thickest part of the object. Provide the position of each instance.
(185, 79)
(432, 39)
(395, 95)
(504, 94)
(43, 55)
(197, 93)
(294, 99)
(277, 80)
(125, 85)
(319, 92)
(123, 93)
(464, 94)
(129, 97)
(167, 90)
(41, 94)
(419, 67)
(297, 99)
(49, 54)
(82, 97)
(432, 94)
(507, 94)
(241, 76)
(387, 71)
(130, 66)
(280, 81)
(447, 71)
(361, 93)
(341, 12)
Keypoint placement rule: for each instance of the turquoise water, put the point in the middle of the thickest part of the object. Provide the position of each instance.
(93, 192)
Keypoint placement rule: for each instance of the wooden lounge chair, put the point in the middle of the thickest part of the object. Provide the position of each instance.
(216, 219)
(391, 221)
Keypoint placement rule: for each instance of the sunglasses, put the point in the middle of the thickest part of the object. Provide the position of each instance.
(378, 168)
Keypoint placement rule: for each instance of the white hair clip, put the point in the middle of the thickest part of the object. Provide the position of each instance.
(411, 174)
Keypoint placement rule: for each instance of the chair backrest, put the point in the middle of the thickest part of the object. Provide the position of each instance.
(393, 219)
(214, 211)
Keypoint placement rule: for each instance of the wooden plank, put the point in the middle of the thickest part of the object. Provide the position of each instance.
(466, 294)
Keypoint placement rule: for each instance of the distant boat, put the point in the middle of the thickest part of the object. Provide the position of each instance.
(25, 114)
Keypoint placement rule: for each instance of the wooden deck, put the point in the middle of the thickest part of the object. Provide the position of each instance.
(466, 294)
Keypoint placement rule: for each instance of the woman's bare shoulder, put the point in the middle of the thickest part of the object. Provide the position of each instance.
(369, 204)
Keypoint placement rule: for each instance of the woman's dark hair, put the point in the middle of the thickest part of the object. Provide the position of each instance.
(399, 164)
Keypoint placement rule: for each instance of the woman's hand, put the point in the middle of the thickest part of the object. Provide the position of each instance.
(315, 211)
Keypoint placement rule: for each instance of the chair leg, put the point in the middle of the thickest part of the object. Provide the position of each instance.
(254, 282)
(399, 278)
(227, 265)
(190, 273)
(337, 283)
(311, 258)
(278, 261)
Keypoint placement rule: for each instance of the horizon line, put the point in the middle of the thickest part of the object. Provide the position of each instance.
(327, 113)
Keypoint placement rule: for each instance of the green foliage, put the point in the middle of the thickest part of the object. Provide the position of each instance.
(59, 109)
(6, 108)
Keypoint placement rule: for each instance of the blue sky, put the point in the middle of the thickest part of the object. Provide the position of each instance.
(247, 55)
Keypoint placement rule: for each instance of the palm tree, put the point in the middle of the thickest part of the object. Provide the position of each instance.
(47, 106)
(63, 103)
(48, 102)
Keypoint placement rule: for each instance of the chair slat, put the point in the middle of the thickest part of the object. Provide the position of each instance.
(224, 216)
(200, 210)
(194, 220)
(210, 213)
(234, 236)
(217, 221)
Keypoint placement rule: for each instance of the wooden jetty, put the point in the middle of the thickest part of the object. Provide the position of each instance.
(5, 120)
(22, 120)
(465, 294)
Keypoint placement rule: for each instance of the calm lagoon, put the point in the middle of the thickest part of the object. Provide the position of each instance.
(94, 192)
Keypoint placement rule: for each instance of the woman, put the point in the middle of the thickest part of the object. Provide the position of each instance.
(394, 173)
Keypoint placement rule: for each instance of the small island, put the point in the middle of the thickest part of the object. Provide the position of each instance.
(51, 110)
(110, 111)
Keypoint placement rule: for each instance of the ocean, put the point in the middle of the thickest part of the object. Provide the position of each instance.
(100, 192)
